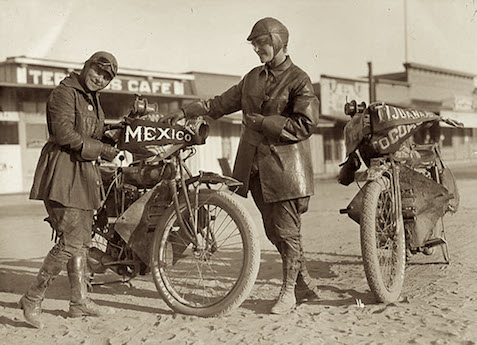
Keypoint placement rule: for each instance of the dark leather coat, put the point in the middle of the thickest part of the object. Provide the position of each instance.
(279, 149)
(66, 171)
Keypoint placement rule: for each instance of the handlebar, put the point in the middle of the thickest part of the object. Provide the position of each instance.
(109, 127)
(453, 123)
(352, 108)
(142, 107)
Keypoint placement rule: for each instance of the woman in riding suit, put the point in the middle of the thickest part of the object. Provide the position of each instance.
(274, 159)
(68, 181)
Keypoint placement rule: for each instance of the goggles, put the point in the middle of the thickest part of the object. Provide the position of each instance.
(106, 65)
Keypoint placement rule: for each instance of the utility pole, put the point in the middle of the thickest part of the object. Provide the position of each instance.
(405, 32)
(372, 86)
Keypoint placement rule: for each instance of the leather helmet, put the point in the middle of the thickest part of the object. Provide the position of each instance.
(272, 27)
(106, 61)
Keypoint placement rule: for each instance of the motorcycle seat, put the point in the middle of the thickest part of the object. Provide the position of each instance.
(427, 154)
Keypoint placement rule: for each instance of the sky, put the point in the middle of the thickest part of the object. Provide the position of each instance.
(327, 37)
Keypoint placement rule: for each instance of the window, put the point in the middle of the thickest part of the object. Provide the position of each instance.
(9, 133)
(446, 135)
(333, 147)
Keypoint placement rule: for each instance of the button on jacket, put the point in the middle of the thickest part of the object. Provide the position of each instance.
(280, 149)
(66, 171)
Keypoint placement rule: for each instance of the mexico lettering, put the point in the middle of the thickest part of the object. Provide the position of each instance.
(155, 135)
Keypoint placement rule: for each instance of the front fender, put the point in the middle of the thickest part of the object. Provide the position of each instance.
(377, 168)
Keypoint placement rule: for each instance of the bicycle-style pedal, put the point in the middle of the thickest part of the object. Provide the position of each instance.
(434, 242)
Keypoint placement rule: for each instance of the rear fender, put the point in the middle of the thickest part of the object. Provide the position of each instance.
(206, 177)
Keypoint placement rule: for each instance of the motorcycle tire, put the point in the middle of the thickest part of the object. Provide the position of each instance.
(383, 244)
(215, 275)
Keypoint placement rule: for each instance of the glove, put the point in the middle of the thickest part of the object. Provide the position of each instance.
(112, 132)
(172, 118)
(348, 168)
(196, 108)
(153, 117)
(254, 121)
(108, 152)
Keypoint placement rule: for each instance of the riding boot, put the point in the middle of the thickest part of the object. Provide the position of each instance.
(80, 304)
(31, 300)
(286, 300)
(306, 288)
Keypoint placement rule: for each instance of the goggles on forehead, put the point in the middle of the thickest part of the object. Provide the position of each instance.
(104, 63)
(107, 66)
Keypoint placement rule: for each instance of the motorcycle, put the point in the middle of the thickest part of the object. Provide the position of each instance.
(407, 190)
(189, 231)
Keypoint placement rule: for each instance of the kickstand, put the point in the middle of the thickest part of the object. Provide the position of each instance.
(124, 280)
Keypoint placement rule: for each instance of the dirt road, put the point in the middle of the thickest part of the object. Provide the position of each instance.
(439, 304)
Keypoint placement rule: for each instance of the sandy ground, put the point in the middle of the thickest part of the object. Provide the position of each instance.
(439, 303)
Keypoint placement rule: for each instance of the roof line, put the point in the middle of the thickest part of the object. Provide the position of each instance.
(78, 66)
(438, 69)
(363, 80)
(122, 92)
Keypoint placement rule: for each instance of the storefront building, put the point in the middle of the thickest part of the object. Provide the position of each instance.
(25, 84)
(446, 92)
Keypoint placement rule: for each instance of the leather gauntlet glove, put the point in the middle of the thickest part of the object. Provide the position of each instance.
(108, 152)
(172, 118)
(254, 121)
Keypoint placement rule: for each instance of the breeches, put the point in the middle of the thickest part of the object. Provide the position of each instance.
(73, 227)
(281, 219)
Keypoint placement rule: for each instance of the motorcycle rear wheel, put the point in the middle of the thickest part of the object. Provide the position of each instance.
(211, 277)
(383, 245)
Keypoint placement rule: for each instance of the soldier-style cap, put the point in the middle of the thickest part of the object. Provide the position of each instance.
(105, 61)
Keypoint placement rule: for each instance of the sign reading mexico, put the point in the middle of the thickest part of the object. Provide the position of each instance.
(142, 133)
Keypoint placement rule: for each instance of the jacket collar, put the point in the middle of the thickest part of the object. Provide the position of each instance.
(73, 81)
(276, 71)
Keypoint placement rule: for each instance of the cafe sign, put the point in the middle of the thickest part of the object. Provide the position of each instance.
(44, 76)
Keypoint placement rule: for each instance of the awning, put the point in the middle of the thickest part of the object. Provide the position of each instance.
(323, 121)
(335, 118)
(234, 118)
(468, 119)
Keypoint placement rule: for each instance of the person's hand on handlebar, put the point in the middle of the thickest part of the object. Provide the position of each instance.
(173, 118)
(112, 131)
(109, 152)
(112, 126)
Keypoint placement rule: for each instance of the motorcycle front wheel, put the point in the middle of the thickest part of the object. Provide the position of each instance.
(382, 241)
(210, 267)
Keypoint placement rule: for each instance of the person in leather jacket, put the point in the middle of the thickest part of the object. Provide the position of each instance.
(68, 181)
(280, 112)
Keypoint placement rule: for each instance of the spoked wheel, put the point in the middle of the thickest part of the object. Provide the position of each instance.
(382, 241)
(208, 268)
